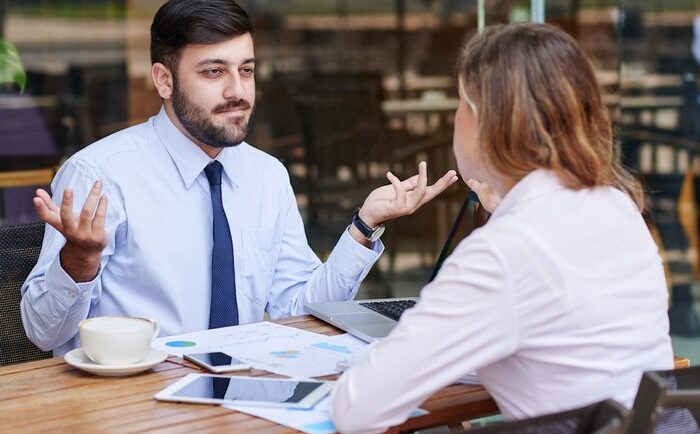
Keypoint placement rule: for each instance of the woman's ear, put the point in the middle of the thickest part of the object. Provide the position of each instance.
(162, 79)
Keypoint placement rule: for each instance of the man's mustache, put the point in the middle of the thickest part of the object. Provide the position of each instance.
(237, 104)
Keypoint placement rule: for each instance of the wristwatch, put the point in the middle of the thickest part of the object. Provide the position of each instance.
(370, 233)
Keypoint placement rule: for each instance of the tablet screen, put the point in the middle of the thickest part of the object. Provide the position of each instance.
(247, 389)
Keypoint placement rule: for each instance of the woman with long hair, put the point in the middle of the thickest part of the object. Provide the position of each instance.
(559, 300)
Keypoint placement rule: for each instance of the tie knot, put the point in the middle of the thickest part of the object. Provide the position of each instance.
(213, 172)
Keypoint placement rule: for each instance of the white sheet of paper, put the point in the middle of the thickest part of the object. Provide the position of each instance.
(315, 359)
(258, 336)
(314, 421)
(272, 347)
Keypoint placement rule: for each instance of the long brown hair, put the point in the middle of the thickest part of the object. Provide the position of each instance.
(539, 106)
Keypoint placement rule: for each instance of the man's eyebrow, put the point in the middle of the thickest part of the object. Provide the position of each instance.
(223, 62)
(212, 61)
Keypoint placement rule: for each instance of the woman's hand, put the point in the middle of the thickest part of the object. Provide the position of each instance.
(488, 196)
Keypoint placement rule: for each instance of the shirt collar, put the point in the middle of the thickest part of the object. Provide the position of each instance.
(189, 159)
(534, 184)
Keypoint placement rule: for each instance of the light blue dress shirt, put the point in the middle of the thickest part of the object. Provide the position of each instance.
(157, 263)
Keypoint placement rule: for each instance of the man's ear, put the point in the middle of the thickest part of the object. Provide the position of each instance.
(162, 79)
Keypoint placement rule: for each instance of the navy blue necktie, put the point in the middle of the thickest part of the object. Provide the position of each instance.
(223, 310)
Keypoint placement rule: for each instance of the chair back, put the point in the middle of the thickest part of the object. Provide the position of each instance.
(342, 122)
(606, 417)
(19, 251)
(668, 402)
(346, 151)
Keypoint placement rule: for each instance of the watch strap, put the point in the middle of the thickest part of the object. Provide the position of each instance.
(370, 233)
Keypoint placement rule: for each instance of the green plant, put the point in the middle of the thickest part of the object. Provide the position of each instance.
(11, 70)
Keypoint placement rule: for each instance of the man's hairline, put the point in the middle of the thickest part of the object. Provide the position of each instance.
(176, 56)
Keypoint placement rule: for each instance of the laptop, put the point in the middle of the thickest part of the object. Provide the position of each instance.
(368, 320)
(371, 320)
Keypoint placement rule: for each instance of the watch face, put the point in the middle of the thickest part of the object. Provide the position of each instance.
(376, 234)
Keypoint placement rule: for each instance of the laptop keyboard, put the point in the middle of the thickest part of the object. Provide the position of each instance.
(392, 309)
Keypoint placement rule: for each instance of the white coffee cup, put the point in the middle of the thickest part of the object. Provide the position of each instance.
(117, 340)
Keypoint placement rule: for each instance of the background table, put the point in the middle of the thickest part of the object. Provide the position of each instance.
(49, 395)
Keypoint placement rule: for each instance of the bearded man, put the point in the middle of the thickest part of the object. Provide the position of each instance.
(178, 219)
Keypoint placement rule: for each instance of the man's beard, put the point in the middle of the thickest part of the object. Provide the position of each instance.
(198, 122)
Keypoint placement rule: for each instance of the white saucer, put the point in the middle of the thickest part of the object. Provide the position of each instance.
(79, 360)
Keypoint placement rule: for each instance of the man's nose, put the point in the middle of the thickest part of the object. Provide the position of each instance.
(234, 88)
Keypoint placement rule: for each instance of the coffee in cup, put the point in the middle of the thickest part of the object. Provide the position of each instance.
(112, 340)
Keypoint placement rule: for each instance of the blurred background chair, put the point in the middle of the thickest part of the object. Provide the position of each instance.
(19, 250)
(96, 97)
(346, 147)
(276, 109)
(668, 402)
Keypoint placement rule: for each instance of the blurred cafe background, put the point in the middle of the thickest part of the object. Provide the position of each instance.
(350, 89)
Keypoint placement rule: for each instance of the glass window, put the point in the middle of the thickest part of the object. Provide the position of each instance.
(350, 89)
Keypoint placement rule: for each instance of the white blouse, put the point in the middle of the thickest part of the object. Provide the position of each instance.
(557, 302)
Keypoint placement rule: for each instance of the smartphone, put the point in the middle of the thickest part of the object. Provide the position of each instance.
(217, 362)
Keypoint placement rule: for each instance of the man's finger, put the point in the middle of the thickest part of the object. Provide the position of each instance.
(420, 190)
(44, 196)
(410, 183)
(88, 211)
(47, 215)
(98, 223)
(440, 185)
(400, 198)
(68, 219)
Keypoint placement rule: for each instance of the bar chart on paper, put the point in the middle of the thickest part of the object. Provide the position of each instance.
(312, 360)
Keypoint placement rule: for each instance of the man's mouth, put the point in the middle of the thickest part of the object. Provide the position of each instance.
(235, 109)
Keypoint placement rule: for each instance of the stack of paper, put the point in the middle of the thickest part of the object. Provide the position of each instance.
(272, 347)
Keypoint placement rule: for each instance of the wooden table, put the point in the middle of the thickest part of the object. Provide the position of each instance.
(49, 395)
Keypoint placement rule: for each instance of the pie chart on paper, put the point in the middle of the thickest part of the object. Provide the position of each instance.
(180, 344)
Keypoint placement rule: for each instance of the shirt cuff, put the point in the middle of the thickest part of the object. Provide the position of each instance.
(64, 288)
(352, 259)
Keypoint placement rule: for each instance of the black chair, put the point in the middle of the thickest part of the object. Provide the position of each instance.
(88, 87)
(19, 250)
(668, 402)
(606, 417)
(277, 108)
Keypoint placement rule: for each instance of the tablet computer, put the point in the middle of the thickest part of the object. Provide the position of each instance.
(253, 391)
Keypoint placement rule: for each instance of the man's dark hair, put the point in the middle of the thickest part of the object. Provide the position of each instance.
(182, 22)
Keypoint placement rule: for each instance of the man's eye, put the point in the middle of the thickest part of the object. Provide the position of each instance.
(213, 72)
(248, 71)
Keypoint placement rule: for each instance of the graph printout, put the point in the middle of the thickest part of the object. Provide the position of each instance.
(273, 347)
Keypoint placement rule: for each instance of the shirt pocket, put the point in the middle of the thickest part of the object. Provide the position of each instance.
(259, 249)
